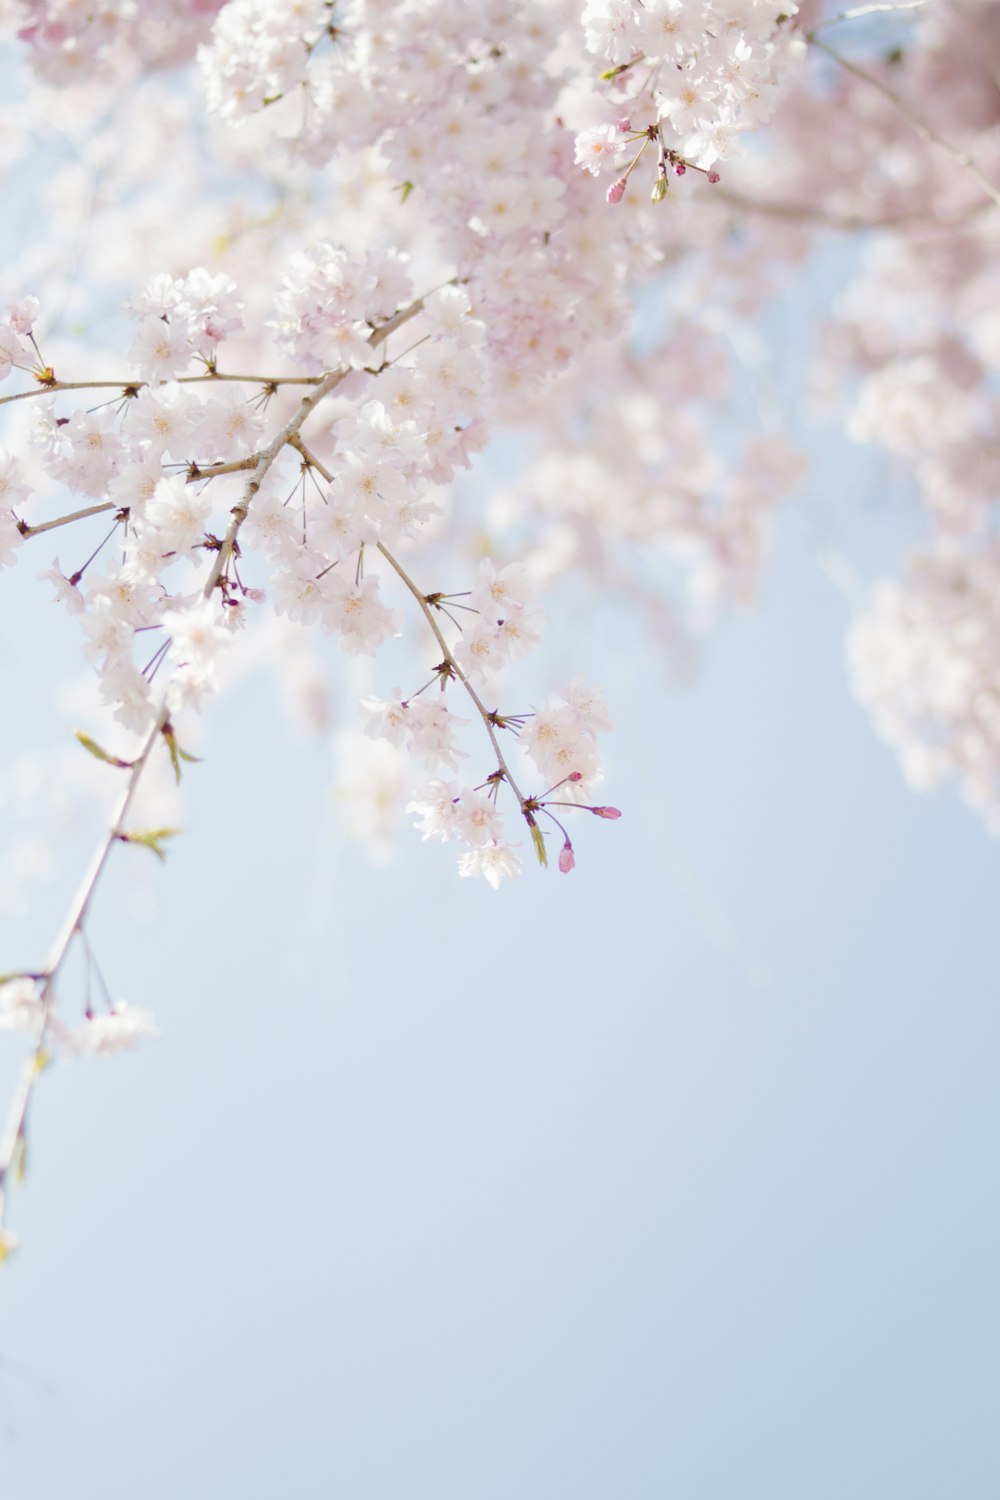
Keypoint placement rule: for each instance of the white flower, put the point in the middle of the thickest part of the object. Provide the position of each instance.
(21, 1006)
(10, 539)
(357, 614)
(598, 148)
(179, 513)
(197, 635)
(437, 807)
(13, 487)
(160, 350)
(494, 862)
(105, 1034)
(387, 719)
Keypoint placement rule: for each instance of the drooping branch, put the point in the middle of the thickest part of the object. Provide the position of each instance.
(12, 1144)
(859, 11)
(448, 655)
(825, 218)
(923, 130)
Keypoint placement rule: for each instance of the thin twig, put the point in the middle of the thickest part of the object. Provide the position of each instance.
(866, 10)
(807, 213)
(484, 713)
(27, 532)
(449, 657)
(81, 902)
(49, 387)
(196, 471)
(923, 130)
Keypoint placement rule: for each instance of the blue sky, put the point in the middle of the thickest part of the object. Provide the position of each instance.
(667, 1178)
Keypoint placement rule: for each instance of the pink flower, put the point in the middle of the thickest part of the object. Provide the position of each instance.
(21, 315)
(616, 191)
(566, 860)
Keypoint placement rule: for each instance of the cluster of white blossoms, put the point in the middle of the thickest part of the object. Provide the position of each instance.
(74, 40)
(925, 660)
(260, 50)
(187, 560)
(561, 742)
(179, 321)
(685, 77)
(329, 302)
(99, 1033)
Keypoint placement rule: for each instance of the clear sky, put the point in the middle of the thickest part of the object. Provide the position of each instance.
(672, 1178)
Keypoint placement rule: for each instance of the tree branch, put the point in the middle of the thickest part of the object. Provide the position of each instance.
(483, 712)
(49, 387)
(28, 532)
(924, 131)
(808, 213)
(866, 10)
(80, 905)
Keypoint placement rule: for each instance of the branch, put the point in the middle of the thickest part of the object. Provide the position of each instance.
(924, 131)
(865, 10)
(80, 905)
(807, 213)
(28, 532)
(48, 387)
(481, 708)
(194, 473)
(484, 713)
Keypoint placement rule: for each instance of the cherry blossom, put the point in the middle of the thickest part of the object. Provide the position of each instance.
(430, 314)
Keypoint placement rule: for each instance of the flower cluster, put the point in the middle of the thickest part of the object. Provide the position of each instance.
(181, 320)
(114, 1029)
(925, 661)
(71, 41)
(690, 78)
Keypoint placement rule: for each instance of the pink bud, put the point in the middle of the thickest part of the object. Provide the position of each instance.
(616, 191)
(575, 776)
(680, 168)
(606, 812)
(713, 176)
(623, 125)
(566, 860)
